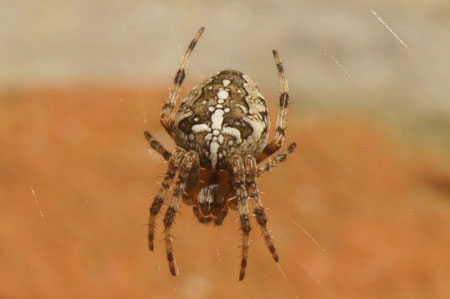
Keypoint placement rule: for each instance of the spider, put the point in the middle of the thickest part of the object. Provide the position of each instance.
(221, 131)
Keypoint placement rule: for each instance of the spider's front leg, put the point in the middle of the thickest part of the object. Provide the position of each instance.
(237, 182)
(174, 164)
(258, 208)
(190, 163)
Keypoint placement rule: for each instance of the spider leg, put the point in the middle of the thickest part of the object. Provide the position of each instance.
(174, 164)
(190, 159)
(280, 131)
(157, 146)
(280, 158)
(237, 172)
(166, 113)
(258, 208)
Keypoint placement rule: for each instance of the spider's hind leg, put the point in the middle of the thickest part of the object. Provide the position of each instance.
(280, 131)
(166, 113)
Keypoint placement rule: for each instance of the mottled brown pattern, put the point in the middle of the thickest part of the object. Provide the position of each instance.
(245, 101)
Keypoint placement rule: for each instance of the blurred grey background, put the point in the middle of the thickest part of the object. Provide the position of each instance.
(336, 53)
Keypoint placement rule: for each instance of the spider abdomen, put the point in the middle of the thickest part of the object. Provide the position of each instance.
(226, 115)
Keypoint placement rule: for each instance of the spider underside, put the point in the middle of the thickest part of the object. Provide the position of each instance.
(221, 131)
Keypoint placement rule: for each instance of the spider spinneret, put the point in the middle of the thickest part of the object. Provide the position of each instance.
(221, 131)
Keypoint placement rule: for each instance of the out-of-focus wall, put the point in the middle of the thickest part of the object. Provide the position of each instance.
(353, 213)
(333, 51)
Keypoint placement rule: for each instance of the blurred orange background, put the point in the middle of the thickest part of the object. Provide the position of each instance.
(360, 210)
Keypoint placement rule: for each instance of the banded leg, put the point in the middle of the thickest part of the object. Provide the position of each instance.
(280, 158)
(237, 171)
(174, 164)
(280, 131)
(190, 159)
(166, 113)
(157, 146)
(258, 208)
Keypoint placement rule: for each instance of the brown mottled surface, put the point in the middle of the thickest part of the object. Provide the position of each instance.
(354, 215)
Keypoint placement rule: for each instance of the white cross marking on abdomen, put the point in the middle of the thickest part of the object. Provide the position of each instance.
(216, 138)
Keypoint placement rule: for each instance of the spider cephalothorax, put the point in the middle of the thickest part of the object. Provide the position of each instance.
(221, 131)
